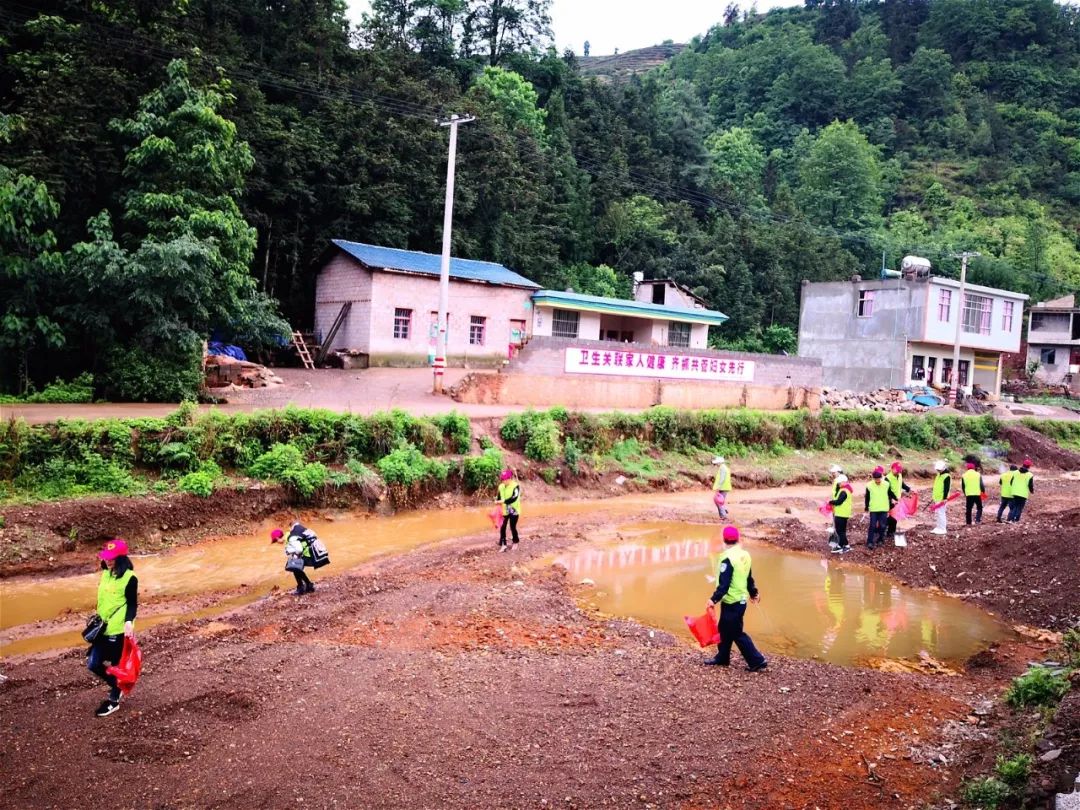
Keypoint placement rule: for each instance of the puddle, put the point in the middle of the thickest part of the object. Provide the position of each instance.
(249, 561)
(810, 607)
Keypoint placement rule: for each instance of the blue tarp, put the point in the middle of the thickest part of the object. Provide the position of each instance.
(227, 349)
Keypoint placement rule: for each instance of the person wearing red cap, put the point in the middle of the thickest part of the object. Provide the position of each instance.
(510, 498)
(1023, 486)
(298, 545)
(971, 483)
(895, 479)
(1006, 491)
(734, 585)
(117, 604)
(877, 501)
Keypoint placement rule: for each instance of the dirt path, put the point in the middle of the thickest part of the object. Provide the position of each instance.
(457, 677)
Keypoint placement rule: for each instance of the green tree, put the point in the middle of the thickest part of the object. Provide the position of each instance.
(841, 179)
(738, 163)
(506, 95)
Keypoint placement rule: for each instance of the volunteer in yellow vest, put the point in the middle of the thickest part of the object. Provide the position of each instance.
(1023, 485)
(510, 498)
(837, 473)
(878, 501)
(972, 485)
(939, 496)
(734, 585)
(843, 500)
(117, 603)
(721, 486)
(895, 479)
(1006, 491)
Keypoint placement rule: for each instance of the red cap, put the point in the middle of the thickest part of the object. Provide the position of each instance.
(731, 534)
(276, 535)
(506, 474)
(896, 466)
(969, 466)
(117, 547)
(879, 470)
(1027, 462)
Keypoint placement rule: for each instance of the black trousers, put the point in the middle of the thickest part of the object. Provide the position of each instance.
(731, 630)
(512, 521)
(301, 578)
(875, 535)
(1016, 508)
(103, 653)
(840, 527)
(1003, 507)
(976, 502)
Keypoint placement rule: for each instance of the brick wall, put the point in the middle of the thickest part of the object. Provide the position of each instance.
(344, 279)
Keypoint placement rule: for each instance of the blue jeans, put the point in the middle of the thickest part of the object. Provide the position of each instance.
(875, 536)
(1016, 508)
(104, 652)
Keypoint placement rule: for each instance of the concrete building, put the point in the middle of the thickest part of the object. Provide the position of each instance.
(590, 317)
(897, 332)
(388, 301)
(1053, 341)
(393, 305)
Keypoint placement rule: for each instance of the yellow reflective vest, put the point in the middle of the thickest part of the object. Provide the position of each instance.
(939, 486)
(879, 496)
(111, 602)
(1006, 483)
(843, 510)
(506, 489)
(896, 483)
(972, 482)
(738, 590)
(1021, 484)
(722, 481)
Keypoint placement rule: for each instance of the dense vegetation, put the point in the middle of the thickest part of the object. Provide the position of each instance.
(169, 167)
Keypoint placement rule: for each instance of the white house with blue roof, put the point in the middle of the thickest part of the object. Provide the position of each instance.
(383, 302)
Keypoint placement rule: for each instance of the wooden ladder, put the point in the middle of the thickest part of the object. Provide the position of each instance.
(302, 350)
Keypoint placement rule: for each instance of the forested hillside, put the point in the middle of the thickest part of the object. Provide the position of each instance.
(172, 168)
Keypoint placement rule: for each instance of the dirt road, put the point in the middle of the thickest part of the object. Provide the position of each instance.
(455, 676)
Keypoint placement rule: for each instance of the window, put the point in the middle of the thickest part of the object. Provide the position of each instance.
(1007, 316)
(678, 334)
(1048, 357)
(964, 372)
(564, 324)
(976, 314)
(626, 337)
(1049, 322)
(517, 331)
(477, 324)
(917, 370)
(944, 304)
(402, 323)
(866, 303)
(1076, 327)
(946, 372)
(658, 291)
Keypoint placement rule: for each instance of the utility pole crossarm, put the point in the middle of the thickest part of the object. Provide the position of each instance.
(444, 269)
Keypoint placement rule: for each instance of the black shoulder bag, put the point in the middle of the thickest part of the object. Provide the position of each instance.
(95, 624)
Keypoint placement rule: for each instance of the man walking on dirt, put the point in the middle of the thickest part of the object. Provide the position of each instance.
(721, 486)
(940, 495)
(971, 483)
(878, 501)
(1023, 485)
(1006, 492)
(734, 585)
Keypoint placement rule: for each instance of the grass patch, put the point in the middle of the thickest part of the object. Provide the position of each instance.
(1037, 687)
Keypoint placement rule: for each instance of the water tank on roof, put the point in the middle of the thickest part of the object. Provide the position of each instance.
(915, 267)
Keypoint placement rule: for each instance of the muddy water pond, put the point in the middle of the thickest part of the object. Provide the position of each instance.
(810, 607)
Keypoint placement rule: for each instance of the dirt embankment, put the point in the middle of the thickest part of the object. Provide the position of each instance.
(1024, 572)
(1025, 443)
(455, 676)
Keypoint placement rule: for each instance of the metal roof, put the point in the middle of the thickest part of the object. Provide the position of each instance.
(429, 264)
(594, 303)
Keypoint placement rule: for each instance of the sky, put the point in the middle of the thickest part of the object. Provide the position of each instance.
(626, 24)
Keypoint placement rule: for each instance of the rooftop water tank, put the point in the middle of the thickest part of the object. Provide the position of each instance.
(915, 267)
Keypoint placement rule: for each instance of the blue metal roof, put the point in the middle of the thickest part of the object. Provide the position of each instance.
(595, 303)
(413, 261)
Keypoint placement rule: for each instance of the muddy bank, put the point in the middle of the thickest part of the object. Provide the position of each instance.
(456, 676)
(1025, 573)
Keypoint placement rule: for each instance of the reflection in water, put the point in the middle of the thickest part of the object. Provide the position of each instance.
(810, 608)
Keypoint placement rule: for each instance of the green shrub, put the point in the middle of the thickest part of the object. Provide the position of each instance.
(457, 431)
(513, 429)
(544, 441)
(67, 478)
(276, 462)
(197, 483)
(1070, 646)
(80, 389)
(987, 793)
(572, 455)
(861, 447)
(626, 450)
(406, 466)
(1014, 771)
(482, 472)
(550, 474)
(168, 373)
(306, 479)
(176, 456)
(1036, 687)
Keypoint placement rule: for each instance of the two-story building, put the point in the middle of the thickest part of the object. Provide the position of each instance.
(1053, 341)
(896, 332)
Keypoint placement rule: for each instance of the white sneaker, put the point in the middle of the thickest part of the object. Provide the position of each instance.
(502, 548)
(938, 531)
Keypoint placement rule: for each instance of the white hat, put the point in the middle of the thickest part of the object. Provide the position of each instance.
(719, 460)
(940, 465)
(836, 468)
(841, 479)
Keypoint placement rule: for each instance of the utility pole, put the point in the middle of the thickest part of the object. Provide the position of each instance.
(954, 373)
(444, 271)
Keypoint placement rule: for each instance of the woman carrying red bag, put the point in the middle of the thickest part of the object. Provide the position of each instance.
(117, 604)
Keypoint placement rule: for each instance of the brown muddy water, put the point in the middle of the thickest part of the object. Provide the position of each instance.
(855, 615)
(811, 607)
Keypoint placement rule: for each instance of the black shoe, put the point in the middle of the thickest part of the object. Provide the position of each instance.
(758, 667)
(300, 590)
(107, 707)
(715, 662)
(310, 588)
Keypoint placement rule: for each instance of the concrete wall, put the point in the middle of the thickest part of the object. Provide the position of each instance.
(860, 353)
(536, 376)
(944, 331)
(1053, 374)
(673, 296)
(344, 279)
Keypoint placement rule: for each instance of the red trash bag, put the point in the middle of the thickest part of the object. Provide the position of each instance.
(952, 497)
(983, 496)
(127, 670)
(905, 507)
(718, 498)
(496, 516)
(825, 508)
(703, 628)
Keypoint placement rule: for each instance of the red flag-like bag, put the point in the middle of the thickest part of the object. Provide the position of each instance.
(128, 668)
(496, 516)
(703, 628)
